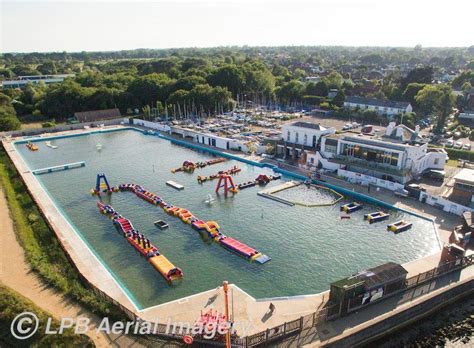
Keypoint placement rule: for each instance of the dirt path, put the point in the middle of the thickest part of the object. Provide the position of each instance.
(16, 274)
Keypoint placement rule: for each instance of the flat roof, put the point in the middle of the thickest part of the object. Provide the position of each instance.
(309, 125)
(466, 175)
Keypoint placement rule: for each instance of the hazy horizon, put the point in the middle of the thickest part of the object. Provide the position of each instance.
(76, 26)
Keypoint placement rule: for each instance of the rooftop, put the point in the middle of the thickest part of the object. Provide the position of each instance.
(374, 276)
(465, 175)
(307, 125)
(377, 102)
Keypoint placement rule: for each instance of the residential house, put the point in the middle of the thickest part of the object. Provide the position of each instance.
(382, 107)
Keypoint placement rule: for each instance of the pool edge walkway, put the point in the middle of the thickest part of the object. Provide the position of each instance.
(247, 308)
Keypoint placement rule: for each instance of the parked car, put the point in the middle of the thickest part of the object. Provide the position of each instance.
(388, 178)
(457, 135)
(458, 145)
(466, 147)
(448, 134)
(347, 126)
(415, 187)
(450, 143)
(401, 193)
(355, 125)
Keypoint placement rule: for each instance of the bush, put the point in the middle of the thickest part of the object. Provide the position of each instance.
(456, 154)
(12, 304)
(49, 124)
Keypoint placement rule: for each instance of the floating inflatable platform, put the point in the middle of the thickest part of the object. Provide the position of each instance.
(376, 216)
(351, 207)
(211, 228)
(142, 244)
(399, 226)
(175, 185)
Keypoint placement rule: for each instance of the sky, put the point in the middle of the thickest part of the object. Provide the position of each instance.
(71, 25)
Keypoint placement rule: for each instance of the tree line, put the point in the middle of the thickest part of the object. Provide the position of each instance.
(210, 81)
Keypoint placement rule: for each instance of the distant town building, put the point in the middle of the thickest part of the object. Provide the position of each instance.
(22, 81)
(97, 115)
(332, 93)
(399, 154)
(382, 107)
(466, 115)
(314, 79)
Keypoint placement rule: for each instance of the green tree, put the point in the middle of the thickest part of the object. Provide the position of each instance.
(8, 119)
(437, 99)
(420, 74)
(229, 76)
(339, 99)
(291, 91)
(411, 91)
(320, 89)
(334, 80)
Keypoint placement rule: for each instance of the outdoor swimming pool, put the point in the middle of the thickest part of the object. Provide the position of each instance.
(309, 247)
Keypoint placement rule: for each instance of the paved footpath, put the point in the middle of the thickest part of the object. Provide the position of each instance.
(16, 273)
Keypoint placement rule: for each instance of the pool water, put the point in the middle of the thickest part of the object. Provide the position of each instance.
(309, 195)
(309, 247)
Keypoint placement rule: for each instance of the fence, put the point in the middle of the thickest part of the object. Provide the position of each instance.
(332, 312)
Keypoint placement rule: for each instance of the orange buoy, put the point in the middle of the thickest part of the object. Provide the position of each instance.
(188, 339)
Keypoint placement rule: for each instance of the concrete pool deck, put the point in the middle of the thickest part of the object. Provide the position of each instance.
(250, 314)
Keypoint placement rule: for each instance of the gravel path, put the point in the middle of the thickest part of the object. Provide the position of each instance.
(17, 274)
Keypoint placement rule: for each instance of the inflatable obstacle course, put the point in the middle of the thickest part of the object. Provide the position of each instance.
(142, 244)
(225, 182)
(31, 146)
(102, 185)
(231, 171)
(261, 180)
(210, 228)
(189, 166)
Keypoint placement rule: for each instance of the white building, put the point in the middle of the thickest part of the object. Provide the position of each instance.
(22, 81)
(467, 115)
(398, 154)
(304, 133)
(382, 107)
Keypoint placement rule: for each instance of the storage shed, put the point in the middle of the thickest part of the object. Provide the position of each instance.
(367, 286)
